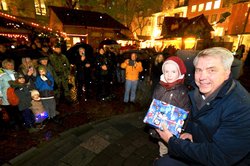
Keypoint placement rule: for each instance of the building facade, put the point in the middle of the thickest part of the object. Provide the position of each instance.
(230, 19)
(44, 15)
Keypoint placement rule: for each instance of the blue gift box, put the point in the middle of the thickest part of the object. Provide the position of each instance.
(161, 113)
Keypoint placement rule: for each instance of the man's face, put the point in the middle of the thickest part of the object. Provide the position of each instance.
(44, 62)
(57, 50)
(133, 56)
(210, 74)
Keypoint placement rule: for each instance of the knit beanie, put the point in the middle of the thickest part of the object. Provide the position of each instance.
(19, 75)
(41, 67)
(178, 62)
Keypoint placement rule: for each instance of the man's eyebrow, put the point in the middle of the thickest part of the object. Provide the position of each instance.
(211, 67)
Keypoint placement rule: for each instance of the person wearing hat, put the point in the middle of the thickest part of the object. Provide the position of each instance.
(171, 89)
(62, 68)
(45, 85)
(23, 92)
(44, 60)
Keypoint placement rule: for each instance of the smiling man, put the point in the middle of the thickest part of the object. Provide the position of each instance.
(218, 130)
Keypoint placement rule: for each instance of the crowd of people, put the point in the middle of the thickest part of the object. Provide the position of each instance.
(46, 80)
(37, 84)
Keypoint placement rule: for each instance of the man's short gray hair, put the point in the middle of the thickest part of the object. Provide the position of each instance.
(224, 54)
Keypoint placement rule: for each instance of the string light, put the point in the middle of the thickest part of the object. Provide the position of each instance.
(32, 24)
(16, 36)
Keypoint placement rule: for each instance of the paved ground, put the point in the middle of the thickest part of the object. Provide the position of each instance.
(86, 133)
(120, 140)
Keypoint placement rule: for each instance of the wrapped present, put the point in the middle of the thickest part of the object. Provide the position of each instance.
(161, 113)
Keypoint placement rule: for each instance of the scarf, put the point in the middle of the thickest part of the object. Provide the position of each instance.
(170, 85)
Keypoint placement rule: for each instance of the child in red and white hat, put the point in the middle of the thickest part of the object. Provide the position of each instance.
(171, 89)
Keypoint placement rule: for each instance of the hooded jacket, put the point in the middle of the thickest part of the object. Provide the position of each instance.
(132, 72)
(5, 77)
(220, 129)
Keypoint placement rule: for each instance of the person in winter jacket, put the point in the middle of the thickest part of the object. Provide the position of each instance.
(38, 109)
(28, 69)
(8, 74)
(44, 84)
(23, 92)
(171, 89)
(132, 70)
(217, 132)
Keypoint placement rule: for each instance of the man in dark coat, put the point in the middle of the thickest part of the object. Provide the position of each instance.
(218, 131)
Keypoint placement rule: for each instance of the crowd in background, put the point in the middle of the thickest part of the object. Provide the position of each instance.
(45, 78)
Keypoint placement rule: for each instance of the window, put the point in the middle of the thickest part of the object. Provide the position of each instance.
(40, 7)
(181, 2)
(201, 7)
(208, 6)
(225, 3)
(3, 5)
(194, 8)
(213, 18)
(217, 4)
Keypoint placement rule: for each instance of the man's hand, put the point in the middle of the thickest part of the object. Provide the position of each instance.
(186, 136)
(127, 61)
(30, 71)
(87, 65)
(165, 134)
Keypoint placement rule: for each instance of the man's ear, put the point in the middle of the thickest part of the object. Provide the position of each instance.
(228, 72)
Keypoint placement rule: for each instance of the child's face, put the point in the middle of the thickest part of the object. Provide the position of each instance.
(42, 72)
(171, 73)
(21, 80)
(36, 97)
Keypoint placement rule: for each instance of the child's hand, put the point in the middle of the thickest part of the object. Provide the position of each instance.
(44, 78)
(165, 134)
